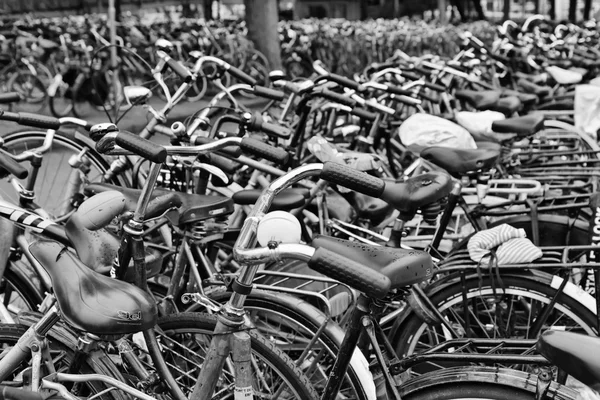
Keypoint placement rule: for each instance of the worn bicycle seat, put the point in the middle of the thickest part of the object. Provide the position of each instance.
(481, 100)
(418, 191)
(92, 302)
(522, 126)
(574, 353)
(527, 99)
(403, 267)
(461, 161)
(507, 105)
(160, 201)
(286, 200)
(192, 207)
(530, 87)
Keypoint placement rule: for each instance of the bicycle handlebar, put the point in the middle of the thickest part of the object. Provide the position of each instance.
(8, 164)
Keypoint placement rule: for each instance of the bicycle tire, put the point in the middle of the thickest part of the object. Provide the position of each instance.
(11, 333)
(183, 326)
(480, 383)
(23, 288)
(298, 321)
(65, 144)
(32, 89)
(410, 333)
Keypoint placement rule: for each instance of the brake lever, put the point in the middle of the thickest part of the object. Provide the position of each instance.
(211, 169)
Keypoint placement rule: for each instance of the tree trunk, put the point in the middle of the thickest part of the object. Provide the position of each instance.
(261, 19)
(587, 8)
(461, 10)
(572, 10)
(506, 9)
(442, 9)
(207, 9)
(552, 11)
(479, 9)
(364, 12)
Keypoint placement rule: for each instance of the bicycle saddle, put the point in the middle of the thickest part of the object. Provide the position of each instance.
(564, 76)
(507, 105)
(418, 191)
(192, 207)
(403, 267)
(522, 126)
(530, 87)
(460, 161)
(574, 353)
(527, 99)
(160, 201)
(481, 100)
(92, 302)
(286, 200)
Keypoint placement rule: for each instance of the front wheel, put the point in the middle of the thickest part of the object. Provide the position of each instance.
(32, 90)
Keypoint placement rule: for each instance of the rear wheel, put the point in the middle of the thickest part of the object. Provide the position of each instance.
(31, 88)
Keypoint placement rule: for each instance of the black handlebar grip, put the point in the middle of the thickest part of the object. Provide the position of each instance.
(398, 90)
(337, 98)
(38, 121)
(292, 87)
(364, 114)
(343, 81)
(263, 150)
(142, 147)
(358, 276)
(242, 76)
(436, 87)
(224, 164)
(10, 97)
(410, 76)
(230, 151)
(13, 393)
(181, 70)
(353, 179)
(275, 130)
(8, 164)
(267, 93)
(9, 116)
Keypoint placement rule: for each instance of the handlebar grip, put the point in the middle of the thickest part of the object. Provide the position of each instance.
(263, 150)
(142, 147)
(181, 70)
(38, 121)
(411, 76)
(364, 114)
(224, 164)
(268, 93)
(10, 97)
(9, 116)
(353, 179)
(242, 76)
(398, 90)
(358, 276)
(343, 81)
(275, 130)
(13, 393)
(337, 98)
(230, 151)
(433, 86)
(8, 164)
(292, 87)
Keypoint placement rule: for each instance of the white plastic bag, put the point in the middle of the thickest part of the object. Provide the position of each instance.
(587, 109)
(479, 124)
(428, 130)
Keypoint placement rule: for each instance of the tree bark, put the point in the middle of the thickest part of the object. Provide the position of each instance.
(506, 9)
(572, 10)
(261, 19)
(364, 12)
(442, 9)
(587, 8)
(479, 9)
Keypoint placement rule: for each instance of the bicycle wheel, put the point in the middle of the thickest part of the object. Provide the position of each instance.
(480, 383)
(31, 88)
(292, 324)
(185, 339)
(60, 99)
(20, 289)
(62, 354)
(198, 89)
(493, 311)
(54, 173)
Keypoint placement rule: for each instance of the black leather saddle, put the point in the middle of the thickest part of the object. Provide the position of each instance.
(459, 161)
(481, 100)
(522, 126)
(507, 105)
(574, 353)
(92, 302)
(530, 87)
(192, 207)
(286, 200)
(403, 267)
(418, 191)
